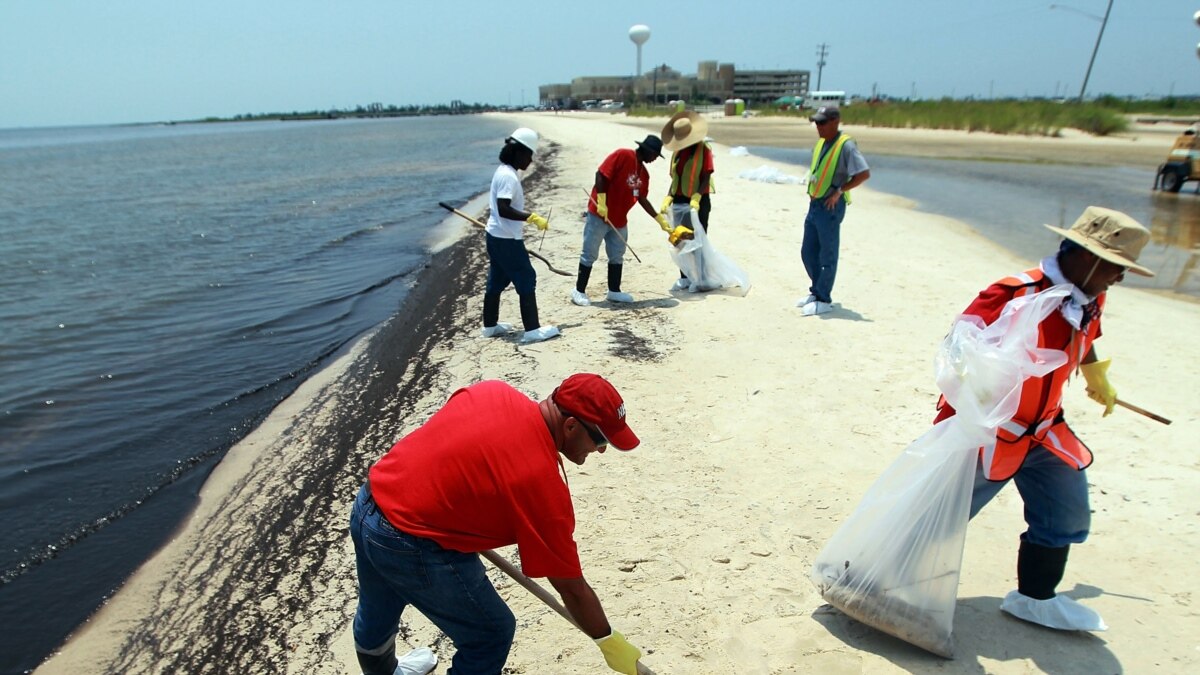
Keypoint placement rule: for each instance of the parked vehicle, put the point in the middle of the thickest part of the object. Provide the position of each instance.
(1182, 165)
(816, 99)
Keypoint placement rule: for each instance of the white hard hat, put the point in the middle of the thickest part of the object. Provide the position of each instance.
(526, 137)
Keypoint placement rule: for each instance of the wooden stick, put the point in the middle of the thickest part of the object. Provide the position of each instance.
(613, 227)
(542, 594)
(1143, 411)
(480, 225)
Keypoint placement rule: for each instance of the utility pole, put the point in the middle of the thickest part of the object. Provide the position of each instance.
(822, 52)
(1094, 50)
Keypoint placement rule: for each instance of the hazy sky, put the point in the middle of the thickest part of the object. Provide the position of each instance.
(67, 62)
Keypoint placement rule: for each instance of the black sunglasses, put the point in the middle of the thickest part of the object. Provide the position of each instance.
(593, 433)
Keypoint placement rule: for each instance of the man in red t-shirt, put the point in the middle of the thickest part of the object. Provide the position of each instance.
(484, 472)
(621, 182)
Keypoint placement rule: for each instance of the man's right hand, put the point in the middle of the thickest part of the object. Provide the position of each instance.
(537, 221)
(602, 205)
(666, 206)
(619, 654)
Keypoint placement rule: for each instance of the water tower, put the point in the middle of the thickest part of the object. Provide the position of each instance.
(639, 34)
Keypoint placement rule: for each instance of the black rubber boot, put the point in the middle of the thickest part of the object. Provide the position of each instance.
(581, 282)
(1040, 569)
(529, 312)
(491, 309)
(378, 664)
(614, 277)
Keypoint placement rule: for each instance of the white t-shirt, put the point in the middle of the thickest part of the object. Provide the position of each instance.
(506, 185)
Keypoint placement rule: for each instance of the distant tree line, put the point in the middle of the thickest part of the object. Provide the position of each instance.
(366, 111)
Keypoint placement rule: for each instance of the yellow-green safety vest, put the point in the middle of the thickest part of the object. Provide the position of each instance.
(685, 180)
(820, 177)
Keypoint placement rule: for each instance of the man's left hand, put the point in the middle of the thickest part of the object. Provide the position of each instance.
(695, 203)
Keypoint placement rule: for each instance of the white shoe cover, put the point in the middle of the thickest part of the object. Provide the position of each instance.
(498, 329)
(539, 334)
(618, 296)
(816, 307)
(804, 301)
(1059, 612)
(419, 661)
(681, 284)
(580, 299)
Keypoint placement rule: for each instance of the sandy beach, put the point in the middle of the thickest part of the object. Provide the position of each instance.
(760, 432)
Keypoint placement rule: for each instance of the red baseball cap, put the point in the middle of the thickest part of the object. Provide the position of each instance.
(592, 399)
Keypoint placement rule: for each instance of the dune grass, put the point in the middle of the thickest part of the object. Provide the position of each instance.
(1034, 118)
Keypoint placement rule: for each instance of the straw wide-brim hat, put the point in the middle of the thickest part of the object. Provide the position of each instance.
(684, 129)
(1111, 235)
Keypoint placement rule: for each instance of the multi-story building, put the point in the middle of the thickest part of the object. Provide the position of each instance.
(713, 83)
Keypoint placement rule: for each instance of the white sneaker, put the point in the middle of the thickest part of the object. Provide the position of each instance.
(816, 307)
(805, 301)
(498, 329)
(1059, 612)
(539, 334)
(420, 661)
(681, 284)
(618, 296)
(580, 299)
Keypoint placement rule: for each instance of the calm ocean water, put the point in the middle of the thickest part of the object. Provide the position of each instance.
(1008, 203)
(162, 288)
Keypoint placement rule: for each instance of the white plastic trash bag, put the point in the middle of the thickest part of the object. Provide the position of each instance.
(769, 174)
(894, 564)
(705, 267)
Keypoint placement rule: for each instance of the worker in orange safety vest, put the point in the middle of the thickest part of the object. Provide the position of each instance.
(1036, 449)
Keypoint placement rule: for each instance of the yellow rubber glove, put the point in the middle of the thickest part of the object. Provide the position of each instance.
(602, 205)
(663, 222)
(679, 234)
(537, 220)
(667, 202)
(619, 654)
(1099, 389)
(695, 203)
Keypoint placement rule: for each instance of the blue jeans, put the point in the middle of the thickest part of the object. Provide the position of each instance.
(509, 264)
(1055, 496)
(819, 250)
(396, 570)
(595, 231)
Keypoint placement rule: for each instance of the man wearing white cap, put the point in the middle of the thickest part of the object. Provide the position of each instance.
(1036, 449)
(508, 261)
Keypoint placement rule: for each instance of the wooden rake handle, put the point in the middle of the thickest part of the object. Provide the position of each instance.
(542, 594)
(613, 228)
(481, 226)
(1143, 411)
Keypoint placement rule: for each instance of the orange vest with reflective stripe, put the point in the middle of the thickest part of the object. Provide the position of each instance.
(1038, 420)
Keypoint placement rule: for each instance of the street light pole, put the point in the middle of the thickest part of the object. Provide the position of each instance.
(1095, 49)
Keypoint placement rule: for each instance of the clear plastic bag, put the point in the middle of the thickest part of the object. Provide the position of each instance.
(706, 268)
(894, 564)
